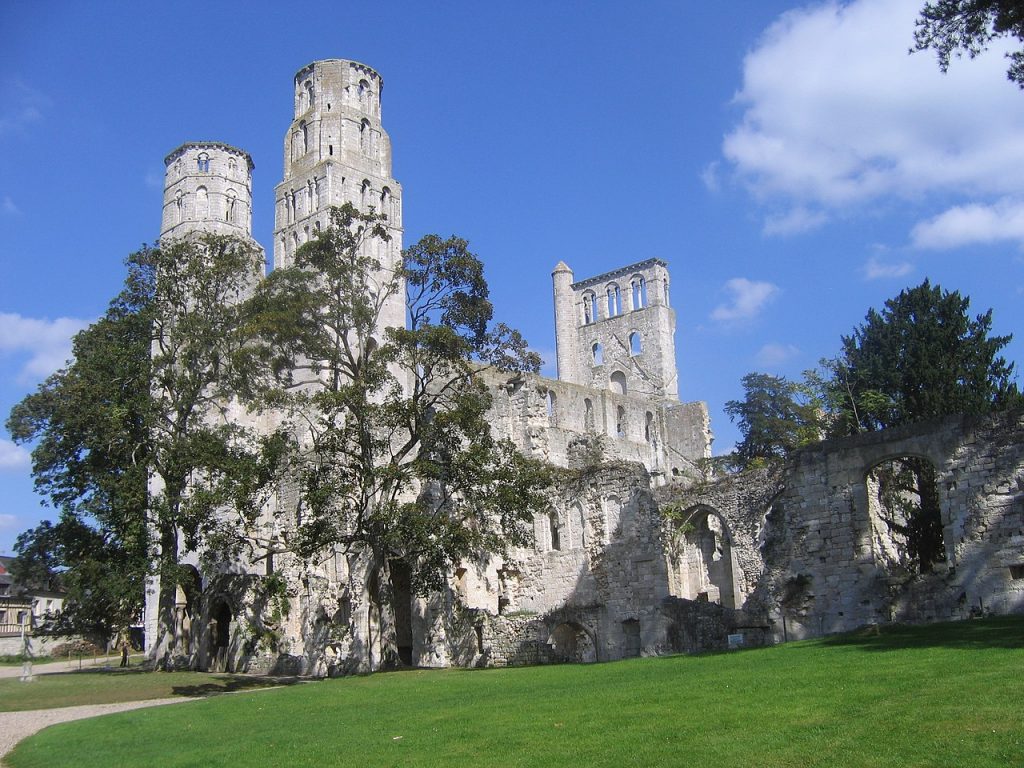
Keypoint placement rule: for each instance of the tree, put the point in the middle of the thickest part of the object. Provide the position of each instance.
(921, 357)
(954, 27)
(392, 454)
(776, 416)
(91, 422)
(210, 470)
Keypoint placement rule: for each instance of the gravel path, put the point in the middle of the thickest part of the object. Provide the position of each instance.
(15, 726)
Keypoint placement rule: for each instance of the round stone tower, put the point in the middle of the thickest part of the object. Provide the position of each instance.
(207, 188)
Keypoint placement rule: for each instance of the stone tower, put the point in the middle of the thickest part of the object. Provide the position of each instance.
(336, 151)
(207, 188)
(617, 331)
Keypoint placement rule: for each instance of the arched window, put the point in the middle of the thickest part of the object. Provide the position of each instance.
(598, 353)
(229, 206)
(308, 94)
(556, 543)
(304, 138)
(316, 194)
(364, 95)
(364, 137)
(385, 201)
(614, 300)
(179, 207)
(232, 165)
(202, 204)
(617, 382)
(588, 415)
(577, 527)
(639, 286)
(634, 344)
(203, 162)
(364, 194)
(649, 428)
(589, 308)
(551, 400)
(620, 421)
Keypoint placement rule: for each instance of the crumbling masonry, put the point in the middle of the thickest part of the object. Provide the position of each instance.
(637, 553)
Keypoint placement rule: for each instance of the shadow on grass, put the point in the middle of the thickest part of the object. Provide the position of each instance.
(974, 634)
(233, 684)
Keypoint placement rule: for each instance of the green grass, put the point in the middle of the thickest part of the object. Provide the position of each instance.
(945, 695)
(107, 686)
(17, 660)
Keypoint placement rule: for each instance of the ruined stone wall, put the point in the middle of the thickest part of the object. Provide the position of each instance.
(815, 533)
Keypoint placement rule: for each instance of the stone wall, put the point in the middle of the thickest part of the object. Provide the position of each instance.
(816, 557)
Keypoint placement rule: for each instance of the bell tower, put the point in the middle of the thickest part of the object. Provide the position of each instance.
(207, 188)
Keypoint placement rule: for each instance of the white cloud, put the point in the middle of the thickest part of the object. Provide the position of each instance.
(974, 223)
(795, 221)
(8, 521)
(710, 176)
(771, 355)
(836, 113)
(44, 345)
(748, 298)
(875, 269)
(23, 106)
(8, 207)
(12, 456)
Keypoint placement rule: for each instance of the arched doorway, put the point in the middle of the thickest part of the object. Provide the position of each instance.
(571, 643)
(705, 564)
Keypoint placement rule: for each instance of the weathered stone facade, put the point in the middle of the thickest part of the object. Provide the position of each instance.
(636, 553)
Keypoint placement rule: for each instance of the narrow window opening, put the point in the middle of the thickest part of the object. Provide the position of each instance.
(588, 415)
(552, 405)
(617, 382)
(330, 150)
(203, 163)
(587, 317)
(620, 421)
(598, 353)
(634, 344)
(1017, 571)
(229, 208)
(556, 544)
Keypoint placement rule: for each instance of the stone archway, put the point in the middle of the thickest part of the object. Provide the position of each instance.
(570, 642)
(705, 564)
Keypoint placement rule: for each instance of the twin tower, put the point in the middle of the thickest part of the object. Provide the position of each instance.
(614, 331)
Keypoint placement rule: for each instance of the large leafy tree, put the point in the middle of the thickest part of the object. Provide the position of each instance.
(775, 417)
(922, 356)
(954, 27)
(393, 455)
(90, 423)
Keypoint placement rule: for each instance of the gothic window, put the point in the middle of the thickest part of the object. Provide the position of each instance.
(177, 167)
(202, 204)
(364, 195)
(635, 347)
(617, 383)
(316, 226)
(232, 165)
(597, 353)
(385, 200)
(589, 308)
(556, 543)
(203, 163)
(364, 95)
(229, 206)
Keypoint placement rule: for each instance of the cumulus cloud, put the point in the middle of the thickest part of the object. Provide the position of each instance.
(12, 456)
(836, 113)
(974, 223)
(771, 355)
(747, 299)
(42, 345)
(875, 269)
(793, 222)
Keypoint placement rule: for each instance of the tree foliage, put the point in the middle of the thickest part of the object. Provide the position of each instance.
(775, 417)
(921, 357)
(954, 27)
(392, 452)
(90, 422)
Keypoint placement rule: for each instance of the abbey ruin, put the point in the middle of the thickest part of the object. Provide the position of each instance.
(638, 551)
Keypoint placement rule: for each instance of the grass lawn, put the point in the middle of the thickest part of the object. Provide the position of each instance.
(106, 686)
(945, 695)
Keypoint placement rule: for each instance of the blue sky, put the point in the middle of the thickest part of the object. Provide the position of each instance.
(790, 161)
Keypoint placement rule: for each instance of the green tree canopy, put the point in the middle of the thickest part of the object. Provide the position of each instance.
(921, 357)
(775, 417)
(954, 27)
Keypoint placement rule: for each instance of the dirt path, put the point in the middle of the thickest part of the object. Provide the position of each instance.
(15, 726)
